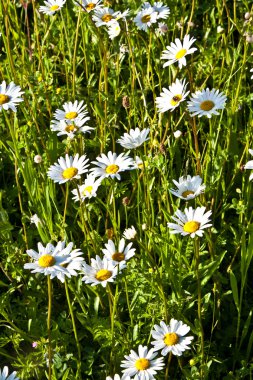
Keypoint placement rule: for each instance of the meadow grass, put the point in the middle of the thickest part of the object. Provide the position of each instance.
(83, 331)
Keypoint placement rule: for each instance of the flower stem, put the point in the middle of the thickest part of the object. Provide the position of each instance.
(75, 333)
(49, 285)
(168, 366)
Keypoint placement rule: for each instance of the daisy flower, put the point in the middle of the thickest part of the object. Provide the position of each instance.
(111, 165)
(70, 128)
(117, 377)
(101, 271)
(145, 18)
(134, 139)
(72, 111)
(73, 262)
(191, 222)
(130, 233)
(113, 29)
(142, 365)
(103, 16)
(68, 168)
(10, 96)
(249, 164)
(88, 189)
(171, 338)
(206, 103)
(177, 51)
(51, 6)
(118, 255)
(162, 10)
(91, 5)
(49, 260)
(4, 374)
(188, 187)
(171, 98)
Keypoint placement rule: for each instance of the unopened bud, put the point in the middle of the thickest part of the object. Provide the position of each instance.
(37, 159)
(247, 16)
(125, 101)
(125, 201)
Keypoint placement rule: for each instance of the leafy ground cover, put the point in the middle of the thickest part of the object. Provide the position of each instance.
(108, 112)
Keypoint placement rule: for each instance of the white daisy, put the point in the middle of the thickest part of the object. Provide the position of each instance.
(101, 271)
(188, 187)
(91, 5)
(5, 372)
(145, 18)
(113, 29)
(142, 365)
(103, 16)
(68, 168)
(162, 10)
(206, 103)
(191, 222)
(170, 338)
(73, 262)
(70, 127)
(49, 260)
(118, 255)
(249, 164)
(251, 72)
(130, 233)
(88, 189)
(10, 96)
(111, 165)
(134, 138)
(177, 51)
(162, 29)
(117, 377)
(171, 98)
(72, 111)
(51, 6)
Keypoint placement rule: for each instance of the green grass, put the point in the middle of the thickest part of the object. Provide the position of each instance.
(206, 283)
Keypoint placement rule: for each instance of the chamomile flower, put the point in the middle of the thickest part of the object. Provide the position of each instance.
(88, 189)
(120, 254)
(68, 168)
(10, 96)
(206, 103)
(145, 18)
(162, 10)
(113, 29)
(91, 5)
(70, 127)
(134, 138)
(101, 271)
(111, 165)
(188, 187)
(171, 338)
(249, 164)
(4, 374)
(170, 98)
(130, 233)
(142, 365)
(251, 72)
(103, 16)
(52, 6)
(177, 51)
(72, 111)
(49, 260)
(191, 222)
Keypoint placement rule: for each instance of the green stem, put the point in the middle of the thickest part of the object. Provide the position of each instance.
(168, 366)
(196, 244)
(78, 374)
(49, 284)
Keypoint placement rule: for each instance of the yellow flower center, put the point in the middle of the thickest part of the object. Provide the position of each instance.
(141, 166)
(69, 173)
(118, 256)
(175, 100)
(71, 115)
(142, 364)
(70, 128)
(145, 19)
(191, 226)
(46, 261)
(207, 105)
(170, 339)
(181, 53)
(186, 193)
(4, 99)
(90, 6)
(87, 189)
(112, 169)
(103, 274)
(107, 17)
(54, 8)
